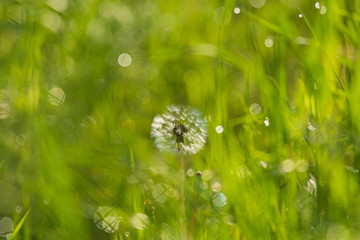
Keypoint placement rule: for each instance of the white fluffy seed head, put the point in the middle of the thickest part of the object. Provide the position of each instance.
(164, 130)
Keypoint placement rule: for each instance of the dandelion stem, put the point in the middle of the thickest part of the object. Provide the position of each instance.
(182, 196)
(192, 217)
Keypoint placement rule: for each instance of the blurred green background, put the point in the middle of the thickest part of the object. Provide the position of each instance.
(81, 81)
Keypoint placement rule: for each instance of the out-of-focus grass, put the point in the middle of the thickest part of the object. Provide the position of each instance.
(296, 178)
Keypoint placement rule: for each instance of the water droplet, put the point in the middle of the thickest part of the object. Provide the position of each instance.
(87, 122)
(263, 164)
(337, 232)
(19, 209)
(56, 96)
(4, 110)
(161, 192)
(140, 221)
(190, 172)
(127, 234)
(255, 109)
(300, 15)
(269, 42)
(124, 60)
(204, 185)
(317, 5)
(222, 16)
(52, 21)
(302, 166)
(216, 187)
(106, 219)
(267, 121)
(237, 10)
(219, 199)
(229, 220)
(46, 201)
(207, 175)
(301, 40)
(21, 140)
(243, 172)
(6, 227)
(287, 166)
(219, 129)
(257, 3)
(322, 10)
(311, 127)
(58, 5)
(311, 185)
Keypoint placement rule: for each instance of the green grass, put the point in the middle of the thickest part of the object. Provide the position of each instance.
(94, 149)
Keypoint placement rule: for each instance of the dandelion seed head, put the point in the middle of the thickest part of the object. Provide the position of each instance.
(179, 128)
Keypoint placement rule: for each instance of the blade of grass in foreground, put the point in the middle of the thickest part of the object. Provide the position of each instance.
(19, 225)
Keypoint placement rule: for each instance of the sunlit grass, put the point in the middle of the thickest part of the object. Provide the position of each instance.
(81, 82)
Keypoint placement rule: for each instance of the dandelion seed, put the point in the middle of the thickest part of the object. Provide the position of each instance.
(179, 128)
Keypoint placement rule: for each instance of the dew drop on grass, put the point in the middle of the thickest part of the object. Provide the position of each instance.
(237, 10)
(46, 201)
(216, 187)
(263, 164)
(19, 209)
(6, 227)
(288, 166)
(52, 21)
(4, 110)
(267, 121)
(322, 10)
(337, 232)
(58, 5)
(257, 3)
(302, 166)
(106, 219)
(140, 221)
(255, 109)
(56, 96)
(207, 175)
(311, 127)
(124, 60)
(219, 129)
(311, 186)
(161, 192)
(300, 15)
(301, 40)
(269, 42)
(21, 140)
(317, 5)
(190, 172)
(219, 199)
(243, 172)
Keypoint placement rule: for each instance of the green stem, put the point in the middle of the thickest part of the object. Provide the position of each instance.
(193, 216)
(182, 196)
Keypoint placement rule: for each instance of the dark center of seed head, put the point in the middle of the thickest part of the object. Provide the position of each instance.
(179, 130)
